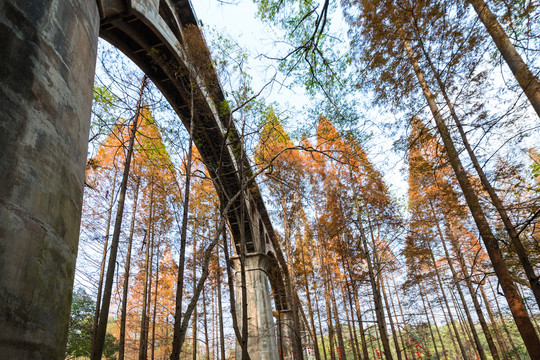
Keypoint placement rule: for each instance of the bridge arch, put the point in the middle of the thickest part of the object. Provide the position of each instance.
(46, 72)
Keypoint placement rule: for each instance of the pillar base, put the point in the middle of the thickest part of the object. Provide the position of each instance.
(261, 333)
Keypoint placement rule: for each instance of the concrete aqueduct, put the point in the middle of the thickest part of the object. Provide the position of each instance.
(47, 66)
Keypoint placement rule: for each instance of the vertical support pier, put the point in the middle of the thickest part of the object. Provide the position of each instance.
(46, 77)
(261, 333)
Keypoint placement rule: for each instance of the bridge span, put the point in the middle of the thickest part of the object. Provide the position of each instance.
(47, 72)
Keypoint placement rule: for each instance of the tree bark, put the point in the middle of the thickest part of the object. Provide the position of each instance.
(525, 78)
(220, 307)
(154, 312)
(147, 289)
(477, 342)
(383, 290)
(439, 281)
(176, 347)
(496, 330)
(103, 260)
(127, 269)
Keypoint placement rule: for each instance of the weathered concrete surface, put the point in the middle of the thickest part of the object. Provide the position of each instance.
(261, 333)
(46, 75)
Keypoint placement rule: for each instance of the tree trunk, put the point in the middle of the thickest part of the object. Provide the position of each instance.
(403, 317)
(290, 280)
(155, 309)
(339, 330)
(515, 303)
(230, 281)
(127, 269)
(383, 290)
(439, 281)
(205, 326)
(476, 304)
(176, 348)
(496, 330)
(479, 347)
(525, 78)
(103, 260)
(379, 311)
(403, 346)
(194, 280)
(144, 319)
(220, 306)
(320, 322)
(359, 316)
(509, 336)
(428, 321)
(310, 311)
(350, 321)
(99, 342)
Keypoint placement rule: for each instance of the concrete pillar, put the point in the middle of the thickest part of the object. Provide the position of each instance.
(47, 66)
(287, 335)
(261, 333)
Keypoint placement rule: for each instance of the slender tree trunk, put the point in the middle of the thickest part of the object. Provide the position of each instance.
(220, 307)
(127, 269)
(103, 260)
(515, 303)
(97, 348)
(310, 310)
(427, 319)
(436, 328)
(230, 281)
(360, 323)
(476, 304)
(349, 329)
(447, 322)
(290, 280)
(403, 346)
(379, 311)
(439, 281)
(481, 352)
(465, 320)
(385, 296)
(403, 316)
(194, 280)
(144, 319)
(509, 336)
(377, 298)
(176, 348)
(350, 321)
(320, 322)
(155, 309)
(207, 341)
(339, 330)
(331, 334)
(496, 330)
(525, 78)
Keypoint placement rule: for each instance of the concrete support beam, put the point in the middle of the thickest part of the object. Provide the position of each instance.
(287, 335)
(46, 78)
(261, 332)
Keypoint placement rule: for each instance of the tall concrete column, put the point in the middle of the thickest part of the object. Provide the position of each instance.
(261, 333)
(47, 66)
(287, 335)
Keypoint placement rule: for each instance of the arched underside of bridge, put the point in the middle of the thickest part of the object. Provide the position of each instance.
(46, 72)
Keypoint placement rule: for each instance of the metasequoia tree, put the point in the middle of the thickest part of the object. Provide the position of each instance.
(379, 19)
